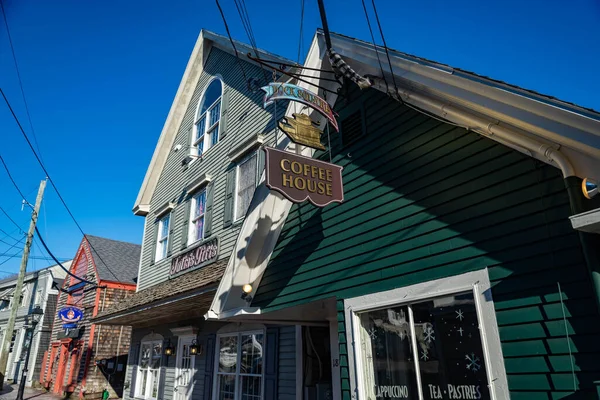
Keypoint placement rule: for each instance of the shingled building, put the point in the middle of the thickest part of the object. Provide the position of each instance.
(88, 358)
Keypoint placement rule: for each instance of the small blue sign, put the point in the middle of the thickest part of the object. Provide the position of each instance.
(70, 315)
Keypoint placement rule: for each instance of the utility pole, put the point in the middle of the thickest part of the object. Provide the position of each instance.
(19, 288)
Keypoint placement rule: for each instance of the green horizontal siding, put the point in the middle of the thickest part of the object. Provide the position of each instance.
(425, 200)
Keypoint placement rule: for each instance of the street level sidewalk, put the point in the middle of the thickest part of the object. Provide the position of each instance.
(10, 393)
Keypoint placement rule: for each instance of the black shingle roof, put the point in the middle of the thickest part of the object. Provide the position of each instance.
(115, 260)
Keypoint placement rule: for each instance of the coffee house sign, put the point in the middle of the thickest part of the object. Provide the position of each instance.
(300, 178)
(201, 255)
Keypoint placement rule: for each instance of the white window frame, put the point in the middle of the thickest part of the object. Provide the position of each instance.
(236, 217)
(149, 382)
(25, 295)
(159, 239)
(191, 237)
(476, 282)
(38, 298)
(207, 130)
(237, 373)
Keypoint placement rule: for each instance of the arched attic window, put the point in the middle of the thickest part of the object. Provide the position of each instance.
(208, 117)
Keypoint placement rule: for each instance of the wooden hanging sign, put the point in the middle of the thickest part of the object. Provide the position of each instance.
(300, 178)
(287, 91)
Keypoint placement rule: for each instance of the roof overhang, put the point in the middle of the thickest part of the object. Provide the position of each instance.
(206, 41)
(557, 133)
(190, 305)
(569, 129)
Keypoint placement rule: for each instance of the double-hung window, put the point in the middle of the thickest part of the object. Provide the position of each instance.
(162, 240)
(428, 341)
(245, 185)
(208, 117)
(197, 211)
(239, 372)
(148, 369)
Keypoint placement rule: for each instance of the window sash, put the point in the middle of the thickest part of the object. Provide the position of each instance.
(252, 160)
(477, 283)
(207, 128)
(238, 374)
(196, 217)
(162, 239)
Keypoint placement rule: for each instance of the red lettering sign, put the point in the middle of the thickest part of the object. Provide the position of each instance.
(204, 254)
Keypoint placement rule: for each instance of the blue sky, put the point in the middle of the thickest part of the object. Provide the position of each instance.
(100, 76)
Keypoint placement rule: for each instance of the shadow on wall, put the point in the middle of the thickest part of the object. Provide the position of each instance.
(113, 369)
(428, 200)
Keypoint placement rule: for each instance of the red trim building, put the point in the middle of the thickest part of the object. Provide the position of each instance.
(90, 358)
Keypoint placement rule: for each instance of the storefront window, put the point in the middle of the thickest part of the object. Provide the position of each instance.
(425, 350)
(240, 366)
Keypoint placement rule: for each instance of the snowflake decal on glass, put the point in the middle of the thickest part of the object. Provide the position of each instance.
(373, 333)
(473, 362)
(460, 315)
(424, 355)
(460, 330)
(429, 334)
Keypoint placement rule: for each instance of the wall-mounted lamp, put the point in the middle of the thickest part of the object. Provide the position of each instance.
(195, 348)
(169, 350)
(589, 188)
(188, 159)
(246, 290)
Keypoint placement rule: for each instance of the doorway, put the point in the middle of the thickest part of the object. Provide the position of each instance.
(63, 360)
(317, 363)
(184, 369)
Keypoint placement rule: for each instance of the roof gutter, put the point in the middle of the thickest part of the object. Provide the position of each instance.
(484, 126)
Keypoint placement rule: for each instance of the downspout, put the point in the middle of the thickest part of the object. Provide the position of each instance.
(516, 140)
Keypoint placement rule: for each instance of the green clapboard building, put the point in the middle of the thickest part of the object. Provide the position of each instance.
(464, 260)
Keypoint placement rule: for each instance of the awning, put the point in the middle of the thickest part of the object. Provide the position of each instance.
(187, 296)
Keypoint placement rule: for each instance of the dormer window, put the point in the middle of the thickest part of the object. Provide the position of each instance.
(208, 116)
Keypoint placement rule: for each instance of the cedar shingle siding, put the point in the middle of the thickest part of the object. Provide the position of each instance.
(426, 200)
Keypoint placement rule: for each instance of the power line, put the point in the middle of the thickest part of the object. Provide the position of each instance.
(387, 53)
(301, 39)
(7, 235)
(19, 255)
(11, 220)
(12, 48)
(59, 263)
(9, 174)
(237, 56)
(8, 244)
(375, 46)
(52, 181)
(245, 17)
